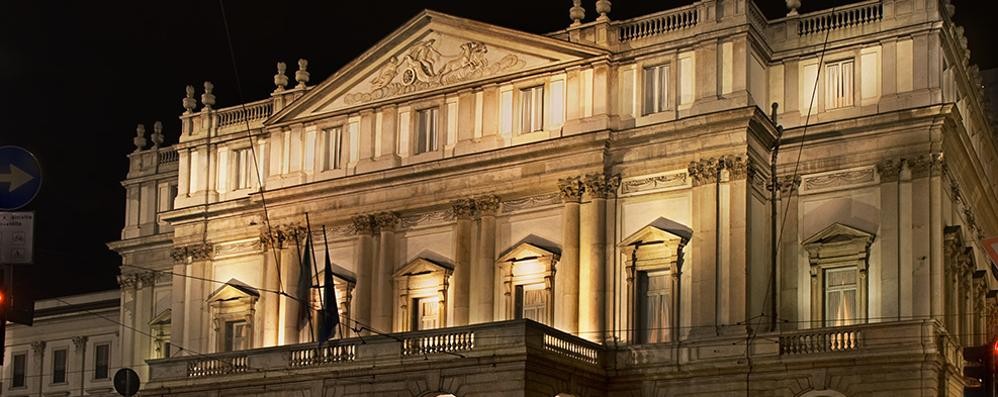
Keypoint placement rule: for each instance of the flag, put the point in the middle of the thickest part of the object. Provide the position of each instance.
(329, 317)
(304, 292)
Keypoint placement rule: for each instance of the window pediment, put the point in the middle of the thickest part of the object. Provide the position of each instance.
(233, 290)
(422, 266)
(529, 250)
(839, 243)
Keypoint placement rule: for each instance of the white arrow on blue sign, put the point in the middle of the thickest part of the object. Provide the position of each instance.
(20, 177)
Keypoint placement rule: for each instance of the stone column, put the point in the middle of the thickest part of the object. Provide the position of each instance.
(734, 248)
(269, 302)
(290, 273)
(592, 256)
(127, 284)
(38, 349)
(461, 285)
(566, 276)
(483, 272)
(143, 313)
(790, 244)
(890, 293)
(907, 277)
(704, 267)
(382, 299)
(936, 235)
(364, 226)
(80, 351)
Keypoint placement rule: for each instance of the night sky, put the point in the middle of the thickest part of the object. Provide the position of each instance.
(78, 76)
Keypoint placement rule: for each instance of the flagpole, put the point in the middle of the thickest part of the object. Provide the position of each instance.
(315, 273)
(299, 298)
(325, 242)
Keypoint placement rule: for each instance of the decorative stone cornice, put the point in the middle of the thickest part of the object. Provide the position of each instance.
(600, 185)
(890, 169)
(387, 221)
(672, 180)
(364, 224)
(529, 202)
(571, 189)
(487, 205)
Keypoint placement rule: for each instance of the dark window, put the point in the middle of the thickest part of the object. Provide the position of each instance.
(426, 131)
(59, 366)
(18, 372)
(102, 361)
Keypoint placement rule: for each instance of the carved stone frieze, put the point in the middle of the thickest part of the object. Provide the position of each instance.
(570, 189)
(280, 235)
(840, 179)
(601, 185)
(426, 217)
(238, 247)
(540, 200)
(927, 164)
(654, 183)
(422, 67)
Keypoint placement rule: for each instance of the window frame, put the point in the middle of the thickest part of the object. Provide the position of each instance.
(660, 88)
(532, 98)
(835, 84)
(56, 364)
(14, 371)
(432, 134)
(97, 361)
(332, 157)
(229, 337)
(243, 168)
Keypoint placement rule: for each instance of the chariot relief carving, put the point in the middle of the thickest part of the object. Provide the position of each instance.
(424, 67)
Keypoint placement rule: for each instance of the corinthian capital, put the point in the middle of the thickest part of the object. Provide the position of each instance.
(927, 165)
(571, 189)
(364, 224)
(889, 169)
(463, 208)
(704, 171)
(601, 185)
(387, 220)
(487, 205)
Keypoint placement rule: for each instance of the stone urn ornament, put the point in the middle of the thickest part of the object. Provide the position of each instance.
(793, 5)
(281, 79)
(157, 134)
(208, 99)
(189, 102)
(577, 12)
(302, 74)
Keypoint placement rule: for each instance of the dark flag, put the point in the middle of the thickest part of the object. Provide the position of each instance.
(304, 291)
(329, 317)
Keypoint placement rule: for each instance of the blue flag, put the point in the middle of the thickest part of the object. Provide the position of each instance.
(329, 317)
(304, 291)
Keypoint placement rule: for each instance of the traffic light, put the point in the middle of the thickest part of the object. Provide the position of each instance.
(979, 365)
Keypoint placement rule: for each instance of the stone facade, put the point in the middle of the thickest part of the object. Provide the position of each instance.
(610, 182)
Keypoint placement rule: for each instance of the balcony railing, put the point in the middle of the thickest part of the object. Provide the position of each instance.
(659, 23)
(821, 341)
(217, 366)
(310, 357)
(571, 348)
(244, 113)
(445, 342)
(842, 17)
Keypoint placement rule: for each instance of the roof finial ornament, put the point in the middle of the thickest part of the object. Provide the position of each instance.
(793, 5)
(280, 79)
(302, 74)
(603, 8)
(577, 12)
(189, 102)
(157, 134)
(208, 99)
(140, 138)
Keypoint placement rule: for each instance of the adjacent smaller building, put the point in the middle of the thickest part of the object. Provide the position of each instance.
(71, 350)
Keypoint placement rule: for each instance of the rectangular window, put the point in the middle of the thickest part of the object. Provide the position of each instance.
(102, 361)
(532, 302)
(656, 89)
(171, 196)
(244, 168)
(59, 366)
(654, 304)
(840, 296)
(532, 109)
(235, 336)
(426, 131)
(426, 314)
(333, 156)
(839, 84)
(18, 375)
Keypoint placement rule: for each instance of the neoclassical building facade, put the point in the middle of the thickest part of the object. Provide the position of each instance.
(586, 212)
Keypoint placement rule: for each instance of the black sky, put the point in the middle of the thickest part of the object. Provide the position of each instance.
(78, 76)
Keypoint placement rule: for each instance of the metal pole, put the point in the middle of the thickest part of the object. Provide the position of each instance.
(774, 189)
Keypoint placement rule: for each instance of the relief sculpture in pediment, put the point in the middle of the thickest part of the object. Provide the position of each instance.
(418, 70)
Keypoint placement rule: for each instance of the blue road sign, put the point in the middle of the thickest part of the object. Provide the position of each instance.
(20, 177)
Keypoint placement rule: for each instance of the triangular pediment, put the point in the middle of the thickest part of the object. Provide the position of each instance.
(420, 266)
(661, 229)
(432, 51)
(232, 290)
(530, 247)
(162, 318)
(839, 233)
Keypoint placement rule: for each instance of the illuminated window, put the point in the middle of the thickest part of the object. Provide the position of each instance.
(243, 168)
(840, 296)
(235, 335)
(333, 155)
(102, 361)
(532, 302)
(421, 288)
(426, 314)
(59, 366)
(426, 130)
(654, 301)
(656, 89)
(838, 257)
(532, 109)
(839, 84)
